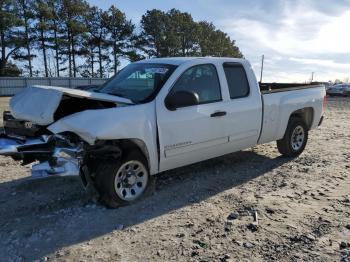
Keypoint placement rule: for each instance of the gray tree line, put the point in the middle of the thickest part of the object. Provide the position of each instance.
(73, 38)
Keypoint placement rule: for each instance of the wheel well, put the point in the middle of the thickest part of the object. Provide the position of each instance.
(123, 145)
(136, 144)
(306, 114)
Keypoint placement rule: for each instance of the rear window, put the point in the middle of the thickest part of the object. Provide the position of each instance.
(237, 80)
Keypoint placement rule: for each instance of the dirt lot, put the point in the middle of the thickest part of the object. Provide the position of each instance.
(204, 212)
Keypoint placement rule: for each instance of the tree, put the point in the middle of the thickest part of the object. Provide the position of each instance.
(176, 34)
(96, 40)
(25, 13)
(121, 35)
(11, 70)
(73, 13)
(181, 34)
(43, 15)
(68, 30)
(213, 42)
(153, 33)
(10, 40)
(55, 41)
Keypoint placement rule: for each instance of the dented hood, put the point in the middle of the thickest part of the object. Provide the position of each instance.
(39, 103)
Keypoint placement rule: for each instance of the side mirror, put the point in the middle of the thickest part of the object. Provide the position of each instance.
(181, 99)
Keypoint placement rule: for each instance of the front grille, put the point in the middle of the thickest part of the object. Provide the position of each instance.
(17, 127)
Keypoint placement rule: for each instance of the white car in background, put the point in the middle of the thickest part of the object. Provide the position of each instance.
(339, 90)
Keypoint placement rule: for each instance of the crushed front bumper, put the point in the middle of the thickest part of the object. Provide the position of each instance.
(15, 146)
(56, 158)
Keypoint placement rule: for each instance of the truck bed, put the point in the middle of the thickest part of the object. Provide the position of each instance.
(267, 88)
(281, 100)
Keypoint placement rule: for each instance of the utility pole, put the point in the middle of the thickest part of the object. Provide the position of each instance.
(262, 67)
(312, 77)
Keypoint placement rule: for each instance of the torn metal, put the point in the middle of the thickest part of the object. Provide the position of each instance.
(66, 162)
(56, 156)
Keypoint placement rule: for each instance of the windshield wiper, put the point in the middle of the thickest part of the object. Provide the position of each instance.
(109, 93)
(120, 95)
(116, 94)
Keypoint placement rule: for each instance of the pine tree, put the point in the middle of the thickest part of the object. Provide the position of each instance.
(10, 39)
(43, 15)
(183, 33)
(153, 35)
(26, 14)
(213, 42)
(55, 32)
(73, 13)
(120, 35)
(97, 40)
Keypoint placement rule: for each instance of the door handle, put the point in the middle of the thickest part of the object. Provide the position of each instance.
(218, 114)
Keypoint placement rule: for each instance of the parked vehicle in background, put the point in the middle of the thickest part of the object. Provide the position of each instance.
(156, 115)
(327, 85)
(346, 90)
(339, 90)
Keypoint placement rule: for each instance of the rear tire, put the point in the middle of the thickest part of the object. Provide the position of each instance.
(122, 181)
(294, 141)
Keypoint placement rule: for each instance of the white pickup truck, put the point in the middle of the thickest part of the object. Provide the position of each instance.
(155, 115)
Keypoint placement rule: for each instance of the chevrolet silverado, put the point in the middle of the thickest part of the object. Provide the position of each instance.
(155, 115)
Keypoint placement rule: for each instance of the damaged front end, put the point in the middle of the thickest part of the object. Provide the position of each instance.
(28, 138)
(54, 155)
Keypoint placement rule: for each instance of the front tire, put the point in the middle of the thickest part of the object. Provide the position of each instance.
(294, 141)
(122, 181)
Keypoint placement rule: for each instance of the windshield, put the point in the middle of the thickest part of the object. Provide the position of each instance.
(138, 82)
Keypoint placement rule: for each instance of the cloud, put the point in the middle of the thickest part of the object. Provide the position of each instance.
(297, 36)
(302, 33)
(323, 63)
(305, 37)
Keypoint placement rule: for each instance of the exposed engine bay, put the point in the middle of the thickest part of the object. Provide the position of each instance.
(27, 138)
(44, 105)
(67, 106)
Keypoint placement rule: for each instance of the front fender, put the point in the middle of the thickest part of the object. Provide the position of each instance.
(130, 122)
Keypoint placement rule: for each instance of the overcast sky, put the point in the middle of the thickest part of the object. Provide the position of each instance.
(297, 37)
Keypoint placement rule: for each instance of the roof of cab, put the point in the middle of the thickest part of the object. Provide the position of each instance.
(181, 60)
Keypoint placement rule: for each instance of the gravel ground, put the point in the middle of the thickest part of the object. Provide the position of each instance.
(248, 206)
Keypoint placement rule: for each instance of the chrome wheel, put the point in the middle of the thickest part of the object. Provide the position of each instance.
(131, 180)
(298, 137)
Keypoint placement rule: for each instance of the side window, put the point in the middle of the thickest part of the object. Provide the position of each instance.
(236, 80)
(201, 79)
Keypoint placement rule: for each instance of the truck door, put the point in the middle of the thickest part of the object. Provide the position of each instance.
(193, 133)
(243, 106)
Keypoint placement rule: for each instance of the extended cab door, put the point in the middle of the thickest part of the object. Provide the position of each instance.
(193, 133)
(243, 105)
